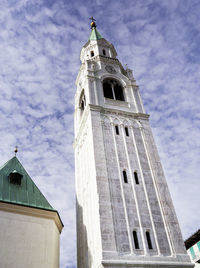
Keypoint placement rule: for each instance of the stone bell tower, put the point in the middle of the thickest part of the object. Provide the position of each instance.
(125, 215)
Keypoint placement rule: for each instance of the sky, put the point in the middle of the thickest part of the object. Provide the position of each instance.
(40, 44)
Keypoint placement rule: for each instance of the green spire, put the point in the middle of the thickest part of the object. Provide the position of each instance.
(95, 35)
(17, 187)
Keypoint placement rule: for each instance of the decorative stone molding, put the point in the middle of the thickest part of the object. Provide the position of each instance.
(129, 115)
(110, 69)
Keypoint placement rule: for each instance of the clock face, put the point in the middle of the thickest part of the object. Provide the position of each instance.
(110, 69)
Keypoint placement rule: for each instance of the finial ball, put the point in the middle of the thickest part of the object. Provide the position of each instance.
(93, 24)
(16, 150)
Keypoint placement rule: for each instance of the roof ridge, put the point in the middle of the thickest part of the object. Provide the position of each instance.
(7, 162)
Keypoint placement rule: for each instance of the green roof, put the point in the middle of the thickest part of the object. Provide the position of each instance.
(95, 35)
(27, 193)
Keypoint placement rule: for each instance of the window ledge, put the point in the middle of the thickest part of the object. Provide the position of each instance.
(116, 102)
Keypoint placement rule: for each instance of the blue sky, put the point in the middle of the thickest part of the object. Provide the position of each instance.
(40, 43)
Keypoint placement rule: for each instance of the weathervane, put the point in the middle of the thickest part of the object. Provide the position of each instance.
(93, 24)
(16, 150)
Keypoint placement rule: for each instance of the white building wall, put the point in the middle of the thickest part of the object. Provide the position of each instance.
(28, 241)
(89, 249)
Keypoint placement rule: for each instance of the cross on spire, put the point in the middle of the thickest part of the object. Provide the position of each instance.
(93, 24)
(92, 19)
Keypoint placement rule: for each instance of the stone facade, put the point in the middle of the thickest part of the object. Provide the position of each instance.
(110, 207)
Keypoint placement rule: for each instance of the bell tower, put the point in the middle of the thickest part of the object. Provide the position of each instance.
(125, 215)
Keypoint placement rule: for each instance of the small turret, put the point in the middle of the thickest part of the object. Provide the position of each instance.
(97, 45)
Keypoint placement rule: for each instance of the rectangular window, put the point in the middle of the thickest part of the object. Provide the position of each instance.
(125, 176)
(135, 238)
(117, 129)
(136, 177)
(126, 131)
(149, 240)
(192, 253)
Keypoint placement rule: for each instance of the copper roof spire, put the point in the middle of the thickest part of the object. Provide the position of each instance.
(95, 35)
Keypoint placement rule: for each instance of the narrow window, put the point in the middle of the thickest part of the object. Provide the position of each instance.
(149, 240)
(136, 177)
(117, 129)
(92, 53)
(82, 105)
(135, 238)
(104, 52)
(125, 176)
(82, 101)
(126, 131)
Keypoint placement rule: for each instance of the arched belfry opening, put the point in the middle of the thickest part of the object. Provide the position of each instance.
(113, 89)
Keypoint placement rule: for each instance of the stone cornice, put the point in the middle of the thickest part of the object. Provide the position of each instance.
(167, 264)
(107, 59)
(118, 112)
(34, 212)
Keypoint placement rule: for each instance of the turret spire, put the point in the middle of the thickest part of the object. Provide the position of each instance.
(95, 35)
